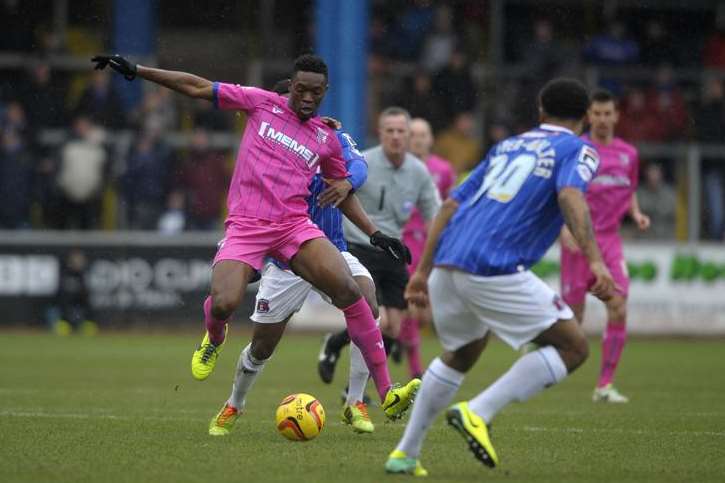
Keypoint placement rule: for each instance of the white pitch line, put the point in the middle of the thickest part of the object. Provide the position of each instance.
(530, 429)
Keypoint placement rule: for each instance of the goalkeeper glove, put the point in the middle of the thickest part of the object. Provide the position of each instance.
(117, 63)
(392, 246)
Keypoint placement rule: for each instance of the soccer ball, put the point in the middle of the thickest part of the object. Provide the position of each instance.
(300, 417)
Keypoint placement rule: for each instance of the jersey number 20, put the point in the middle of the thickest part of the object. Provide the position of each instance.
(504, 179)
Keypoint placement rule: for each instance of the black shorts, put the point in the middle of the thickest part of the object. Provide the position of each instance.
(390, 276)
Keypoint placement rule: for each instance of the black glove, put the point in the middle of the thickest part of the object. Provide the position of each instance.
(392, 246)
(117, 63)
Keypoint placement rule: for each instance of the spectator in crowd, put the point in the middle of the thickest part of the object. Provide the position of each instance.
(173, 220)
(459, 144)
(454, 87)
(710, 128)
(657, 46)
(418, 98)
(80, 177)
(43, 98)
(204, 177)
(543, 56)
(101, 103)
(146, 180)
(666, 99)
(16, 175)
(713, 54)
(613, 47)
(414, 24)
(658, 199)
(72, 308)
(157, 111)
(639, 121)
(441, 41)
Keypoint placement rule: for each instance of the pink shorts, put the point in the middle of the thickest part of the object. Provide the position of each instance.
(577, 279)
(415, 241)
(250, 240)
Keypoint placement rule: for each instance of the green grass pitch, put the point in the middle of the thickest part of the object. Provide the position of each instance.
(124, 408)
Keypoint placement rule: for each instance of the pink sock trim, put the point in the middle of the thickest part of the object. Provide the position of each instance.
(213, 326)
(613, 340)
(365, 333)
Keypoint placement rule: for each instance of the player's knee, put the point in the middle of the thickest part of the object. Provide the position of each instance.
(223, 305)
(262, 349)
(579, 352)
(346, 293)
(617, 309)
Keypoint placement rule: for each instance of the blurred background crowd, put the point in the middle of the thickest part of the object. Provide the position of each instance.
(77, 152)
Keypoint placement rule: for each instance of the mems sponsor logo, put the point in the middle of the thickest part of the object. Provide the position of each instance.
(268, 132)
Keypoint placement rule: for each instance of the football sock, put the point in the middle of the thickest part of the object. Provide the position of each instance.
(338, 341)
(529, 375)
(248, 368)
(613, 340)
(440, 384)
(358, 376)
(213, 326)
(365, 333)
(410, 338)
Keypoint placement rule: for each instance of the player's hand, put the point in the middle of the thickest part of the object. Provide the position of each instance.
(331, 122)
(642, 220)
(335, 193)
(117, 63)
(567, 240)
(392, 246)
(416, 292)
(604, 286)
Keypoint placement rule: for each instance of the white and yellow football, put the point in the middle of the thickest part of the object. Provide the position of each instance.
(300, 417)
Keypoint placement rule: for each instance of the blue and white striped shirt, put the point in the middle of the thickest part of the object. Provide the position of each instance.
(509, 214)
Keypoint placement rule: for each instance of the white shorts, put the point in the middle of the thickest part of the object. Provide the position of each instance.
(516, 307)
(282, 293)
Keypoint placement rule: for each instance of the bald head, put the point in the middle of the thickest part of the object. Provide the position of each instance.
(421, 138)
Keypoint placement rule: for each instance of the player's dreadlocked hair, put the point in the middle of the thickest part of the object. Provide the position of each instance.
(310, 63)
(564, 98)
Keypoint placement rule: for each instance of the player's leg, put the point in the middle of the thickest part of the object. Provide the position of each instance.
(463, 339)
(410, 337)
(228, 284)
(321, 264)
(280, 295)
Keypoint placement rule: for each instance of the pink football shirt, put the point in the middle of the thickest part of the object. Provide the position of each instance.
(610, 192)
(444, 178)
(278, 156)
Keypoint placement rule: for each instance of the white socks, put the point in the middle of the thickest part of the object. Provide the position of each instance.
(529, 375)
(248, 368)
(358, 375)
(440, 384)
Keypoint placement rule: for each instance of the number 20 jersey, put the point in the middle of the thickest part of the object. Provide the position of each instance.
(508, 213)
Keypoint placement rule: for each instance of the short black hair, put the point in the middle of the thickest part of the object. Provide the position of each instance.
(603, 95)
(281, 87)
(310, 63)
(564, 98)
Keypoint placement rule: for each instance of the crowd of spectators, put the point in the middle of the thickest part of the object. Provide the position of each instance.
(428, 57)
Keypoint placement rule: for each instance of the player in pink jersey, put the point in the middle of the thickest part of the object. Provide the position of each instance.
(611, 195)
(414, 235)
(283, 144)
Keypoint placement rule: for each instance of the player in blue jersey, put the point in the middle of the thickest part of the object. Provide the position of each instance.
(282, 293)
(480, 248)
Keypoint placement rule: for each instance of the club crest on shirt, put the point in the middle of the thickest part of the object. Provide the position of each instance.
(321, 136)
(624, 159)
(276, 110)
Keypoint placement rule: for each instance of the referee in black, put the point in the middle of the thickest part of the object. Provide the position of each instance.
(397, 182)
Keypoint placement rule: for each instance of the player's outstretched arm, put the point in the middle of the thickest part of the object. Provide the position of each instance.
(188, 84)
(575, 210)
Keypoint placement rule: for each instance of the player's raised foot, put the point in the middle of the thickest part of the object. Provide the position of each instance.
(400, 398)
(327, 360)
(356, 415)
(609, 394)
(399, 463)
(223, 422)
(474, 431)
(205, 356)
